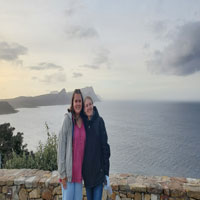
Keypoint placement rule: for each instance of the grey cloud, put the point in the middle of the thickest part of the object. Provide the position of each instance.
(11, 52)
(90, 66)
(162, 29)
(78, 30)
(52, 78)
(101, 59)
(46, 66)
(159, 26)
(182, 56)
(81, 32)
(34, 78)
(197, 13)
(76, 75)
(69, 11)
(73, 7)
(146, 46)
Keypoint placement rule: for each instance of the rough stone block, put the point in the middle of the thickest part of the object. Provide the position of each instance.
(123, 185)
(136, 187)
(5, 189)
(177, 193)
(138, 196)
(164, 197)
(47, 195)
(15, 192)
(2, 182)
(2, 197)
(122, 195)
(29, 182)
(130, 195)
(147, 196)
(19, 181)
(194, 193)
(115, 187)
(23, 195)
(57, 191)
(10, 181)
(117, 198)
(113, 196)
(154, 197)
(155, 188)
(166, 191)
(34, 194)
(193, 181)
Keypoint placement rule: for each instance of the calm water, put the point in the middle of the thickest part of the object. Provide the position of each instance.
(150, 138)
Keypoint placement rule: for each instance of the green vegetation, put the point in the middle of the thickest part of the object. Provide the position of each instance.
(10, 143)
(17, 157)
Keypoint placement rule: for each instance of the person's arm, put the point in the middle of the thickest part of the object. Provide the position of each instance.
(105, 148)
(61, 156)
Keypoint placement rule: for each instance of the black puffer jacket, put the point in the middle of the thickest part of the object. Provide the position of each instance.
(97, 151)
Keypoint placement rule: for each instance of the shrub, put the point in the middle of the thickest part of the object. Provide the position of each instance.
(45, 157)
(20, 161)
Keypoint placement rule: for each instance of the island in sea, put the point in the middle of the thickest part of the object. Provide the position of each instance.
(53, 98)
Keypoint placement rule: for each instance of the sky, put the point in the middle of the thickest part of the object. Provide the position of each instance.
(124, 49)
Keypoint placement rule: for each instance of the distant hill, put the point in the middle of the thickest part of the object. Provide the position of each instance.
(87, 91)
(53, 98)
(6, 108)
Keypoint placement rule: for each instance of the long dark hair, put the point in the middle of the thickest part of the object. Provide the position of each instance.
(71, 109)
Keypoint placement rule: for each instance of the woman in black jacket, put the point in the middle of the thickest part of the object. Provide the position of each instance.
(97, 152)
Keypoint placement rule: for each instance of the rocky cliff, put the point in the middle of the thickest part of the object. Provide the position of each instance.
(6, 108)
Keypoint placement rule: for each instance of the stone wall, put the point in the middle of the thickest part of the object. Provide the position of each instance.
(29, 184)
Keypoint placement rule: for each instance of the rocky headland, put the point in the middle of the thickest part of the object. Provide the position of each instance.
(53, 98)
(6, 108)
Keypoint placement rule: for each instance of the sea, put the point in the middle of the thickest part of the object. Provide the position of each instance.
(145, 137)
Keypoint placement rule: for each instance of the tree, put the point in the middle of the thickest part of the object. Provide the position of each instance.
(10, 143)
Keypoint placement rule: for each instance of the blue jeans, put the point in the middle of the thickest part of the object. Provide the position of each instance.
(94, 193)
(72, 192)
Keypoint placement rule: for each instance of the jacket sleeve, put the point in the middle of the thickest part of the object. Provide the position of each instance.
(62, 142)
(105, 148)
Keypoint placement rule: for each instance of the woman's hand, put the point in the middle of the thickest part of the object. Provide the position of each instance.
(107, 185)
(64, 182)
(107, 181)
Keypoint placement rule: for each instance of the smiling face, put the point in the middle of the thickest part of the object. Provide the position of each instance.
(88, 107)
(77, 103)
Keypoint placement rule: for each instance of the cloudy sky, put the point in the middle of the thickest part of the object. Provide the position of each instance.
(125, 49)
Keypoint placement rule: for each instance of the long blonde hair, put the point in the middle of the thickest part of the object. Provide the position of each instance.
(88, 97)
